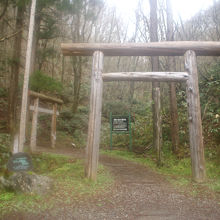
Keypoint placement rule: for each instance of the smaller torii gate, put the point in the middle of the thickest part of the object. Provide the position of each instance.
(36, 109)
(188, 49)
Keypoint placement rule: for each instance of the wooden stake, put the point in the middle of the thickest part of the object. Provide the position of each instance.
(26, 78)
(53, 126)
(194, 114)
(34, 125)
(92, 150)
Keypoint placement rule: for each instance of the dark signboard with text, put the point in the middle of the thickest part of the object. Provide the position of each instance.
(20, 162)
(120, 123)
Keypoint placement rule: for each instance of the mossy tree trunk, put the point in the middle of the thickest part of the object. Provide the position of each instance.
(15, 66)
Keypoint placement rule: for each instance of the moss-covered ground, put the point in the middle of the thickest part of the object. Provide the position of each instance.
(69, 185)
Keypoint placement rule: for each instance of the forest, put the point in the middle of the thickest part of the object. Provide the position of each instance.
(68, 78)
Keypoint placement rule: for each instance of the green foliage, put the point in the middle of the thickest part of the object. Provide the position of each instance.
(142, 131)
(69, 185)
(49, 27)
(7, 196)
(3, 92)
(4, 151)
(209, 94)
(117, 108)
(40, 82)
(75, 125)
(45, 163)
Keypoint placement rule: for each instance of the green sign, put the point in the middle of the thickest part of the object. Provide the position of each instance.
(120, 124)
(20, 162)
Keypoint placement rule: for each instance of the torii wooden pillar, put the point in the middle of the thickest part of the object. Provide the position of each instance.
(194, 118)
(92, 149)
(188, 48)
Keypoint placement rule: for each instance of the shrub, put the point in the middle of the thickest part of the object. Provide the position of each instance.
(39, 82)
(4, 150)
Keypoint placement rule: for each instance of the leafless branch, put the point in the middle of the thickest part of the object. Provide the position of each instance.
(9, 36)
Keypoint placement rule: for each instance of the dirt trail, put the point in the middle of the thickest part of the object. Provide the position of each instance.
(140, 194)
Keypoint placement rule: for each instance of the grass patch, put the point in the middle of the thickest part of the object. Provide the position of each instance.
(177, 171)
(69, 185)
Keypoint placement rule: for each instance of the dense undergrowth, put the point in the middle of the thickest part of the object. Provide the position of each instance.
(70, 185)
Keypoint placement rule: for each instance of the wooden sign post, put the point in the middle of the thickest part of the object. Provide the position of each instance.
(34, 125)
(53, 126)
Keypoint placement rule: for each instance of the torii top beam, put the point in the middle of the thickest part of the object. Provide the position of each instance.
(166, 48)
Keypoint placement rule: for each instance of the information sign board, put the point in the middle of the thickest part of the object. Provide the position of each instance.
(120, 123)
(20, 162)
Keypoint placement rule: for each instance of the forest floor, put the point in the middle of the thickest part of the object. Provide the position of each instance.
(137, 193)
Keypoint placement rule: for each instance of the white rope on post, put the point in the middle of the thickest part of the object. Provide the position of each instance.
(26, 77)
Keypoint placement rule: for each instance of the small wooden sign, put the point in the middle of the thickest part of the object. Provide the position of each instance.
(20, 162)
(120, 123)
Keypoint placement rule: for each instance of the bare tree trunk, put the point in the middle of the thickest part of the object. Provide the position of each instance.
(35, 44)
(157, 133)
(131, 84)
(172, 86)
(63, 69)
(13, 92)
(77, 67)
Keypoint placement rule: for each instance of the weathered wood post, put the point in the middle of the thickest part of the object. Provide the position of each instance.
(53, 126)
(92, 149)
(26, 78)
(194, 114)
(34, 125)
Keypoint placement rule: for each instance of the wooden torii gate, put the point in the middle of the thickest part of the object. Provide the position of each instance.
(36, 109)
(188, 49)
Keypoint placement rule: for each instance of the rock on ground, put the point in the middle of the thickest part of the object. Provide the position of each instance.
(28, 183)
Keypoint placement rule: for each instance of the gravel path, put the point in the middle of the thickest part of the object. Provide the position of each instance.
(139, 194)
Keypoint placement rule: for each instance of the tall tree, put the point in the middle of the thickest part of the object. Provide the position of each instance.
(84, 14)
(172, 85)
(157, 128)
(15, 66)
